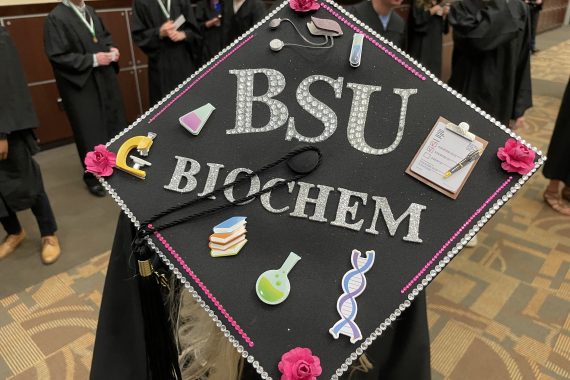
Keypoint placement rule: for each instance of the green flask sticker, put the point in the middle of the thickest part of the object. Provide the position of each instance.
(273, 287)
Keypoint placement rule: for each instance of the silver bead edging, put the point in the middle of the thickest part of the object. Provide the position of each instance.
(419, 287)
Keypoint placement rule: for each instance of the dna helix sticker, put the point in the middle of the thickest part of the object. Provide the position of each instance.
(353, 284)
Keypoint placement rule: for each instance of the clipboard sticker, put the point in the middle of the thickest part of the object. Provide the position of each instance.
(446, 147)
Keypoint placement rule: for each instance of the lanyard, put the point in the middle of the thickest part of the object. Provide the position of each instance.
(165, 11)
(90, 25)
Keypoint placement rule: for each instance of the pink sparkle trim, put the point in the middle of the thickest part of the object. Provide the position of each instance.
(390, 53)
(206, 291)
(206, 72)
(455, 235)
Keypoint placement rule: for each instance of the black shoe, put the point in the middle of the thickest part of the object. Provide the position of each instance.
(96, 189)
(534, 51)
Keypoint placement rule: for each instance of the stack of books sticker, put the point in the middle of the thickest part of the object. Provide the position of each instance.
(228, 237)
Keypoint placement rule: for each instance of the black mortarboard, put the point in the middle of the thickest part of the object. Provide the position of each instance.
(347, 136)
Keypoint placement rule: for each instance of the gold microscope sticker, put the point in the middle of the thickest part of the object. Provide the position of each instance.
(142, 144)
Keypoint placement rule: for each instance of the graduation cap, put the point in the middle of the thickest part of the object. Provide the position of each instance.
(338, 171)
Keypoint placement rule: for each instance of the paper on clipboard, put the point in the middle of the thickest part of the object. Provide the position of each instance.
(442, 150)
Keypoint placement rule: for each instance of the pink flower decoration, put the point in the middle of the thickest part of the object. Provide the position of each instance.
(516, 157)
(100, 161)
(300, 364)
(304, 5)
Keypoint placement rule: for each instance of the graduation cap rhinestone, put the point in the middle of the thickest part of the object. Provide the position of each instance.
(367, 124)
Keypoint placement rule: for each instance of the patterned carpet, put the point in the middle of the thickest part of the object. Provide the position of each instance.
(48, 330)
(499, 311)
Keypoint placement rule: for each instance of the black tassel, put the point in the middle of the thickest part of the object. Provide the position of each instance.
(161, 349)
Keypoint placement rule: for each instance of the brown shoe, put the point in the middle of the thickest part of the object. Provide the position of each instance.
(11, 242)
(50, 249)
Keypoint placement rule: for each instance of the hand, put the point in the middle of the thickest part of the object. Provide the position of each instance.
(516, 124)
(115, 54)
(538, 2)
(436, 9)
(104, 59)
(177, 36)
(166, 28)
(3, 149)
(446, 9)
(214, 22)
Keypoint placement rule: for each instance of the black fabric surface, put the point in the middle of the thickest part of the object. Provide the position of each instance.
(395, 31)
(212, 37)
(425, 34)
(558, 164)
(119, 351)
(169, 63)
(234, 24)
(20, 176)
(491, 58)
(91, 95)
(16, 109)
(306, 316)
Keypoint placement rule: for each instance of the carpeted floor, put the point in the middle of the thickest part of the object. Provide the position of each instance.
(48, 330)
(499, 311)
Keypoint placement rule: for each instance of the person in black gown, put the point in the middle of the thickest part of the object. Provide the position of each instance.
(209, 17)
(491, 59)
(21, 185)
(238, 16)
(427, 24)
(557, 167)
(534, 6)
(173, 54)
(85, 67)
(380, 16)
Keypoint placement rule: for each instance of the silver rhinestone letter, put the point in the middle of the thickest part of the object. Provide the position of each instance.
(212, 179)
(254, 187)
(344, 209)
(181, 172)
(278, 112)
(320, 202)
(414, 212)
(316, 108)
(266, 197)
(359, 110)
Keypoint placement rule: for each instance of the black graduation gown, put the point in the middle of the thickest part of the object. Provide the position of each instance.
(91, 95)
(212, 37)
(558, 164)
(236, 24)
(491, 59)
(20, 176)
(395, 31)
(119, 345)
(425, 38)
(169, 63)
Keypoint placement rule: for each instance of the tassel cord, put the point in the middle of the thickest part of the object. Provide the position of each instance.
(146, 230)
